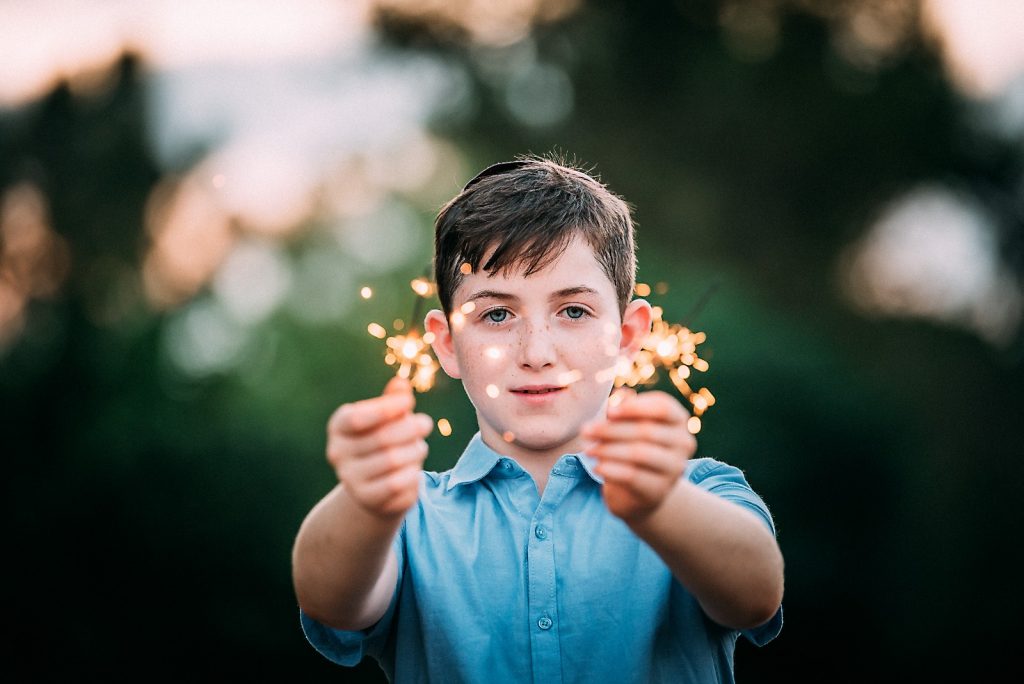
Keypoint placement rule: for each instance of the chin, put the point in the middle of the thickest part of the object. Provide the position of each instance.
(545, 442)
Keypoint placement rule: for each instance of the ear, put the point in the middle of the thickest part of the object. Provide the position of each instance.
(636, 325)
(443, 345)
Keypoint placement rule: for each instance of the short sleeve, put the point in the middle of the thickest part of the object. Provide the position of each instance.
(349, 648)
(728, 482)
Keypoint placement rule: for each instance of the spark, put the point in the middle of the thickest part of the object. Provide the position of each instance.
(410, 352)
(466, 268)
(508, 436)
(422, 287)
(468, 308)
(444, 427)
(492, 391)
(674, 348)
(642, 289)
(569, 377)
(492, 353)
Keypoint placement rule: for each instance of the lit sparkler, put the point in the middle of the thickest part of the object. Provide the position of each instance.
(410, 352)
(671, 346)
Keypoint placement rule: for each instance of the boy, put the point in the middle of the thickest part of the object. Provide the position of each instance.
(575, 539)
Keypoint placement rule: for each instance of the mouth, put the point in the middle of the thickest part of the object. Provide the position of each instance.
(537, 389)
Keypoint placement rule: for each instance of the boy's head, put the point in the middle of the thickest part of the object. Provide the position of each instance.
(528, 211)
(535, 271)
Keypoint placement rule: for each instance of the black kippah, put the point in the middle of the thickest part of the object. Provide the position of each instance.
(494, 170)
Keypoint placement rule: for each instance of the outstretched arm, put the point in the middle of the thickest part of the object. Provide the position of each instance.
(721, 552)
(343, 567)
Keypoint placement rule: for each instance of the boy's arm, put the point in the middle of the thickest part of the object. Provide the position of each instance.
(343, 566)
(722, 553)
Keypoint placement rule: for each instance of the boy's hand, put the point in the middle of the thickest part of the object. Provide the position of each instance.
(641, 447)
(377, 448)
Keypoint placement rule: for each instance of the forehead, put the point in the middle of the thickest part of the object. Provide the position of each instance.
(577, 266)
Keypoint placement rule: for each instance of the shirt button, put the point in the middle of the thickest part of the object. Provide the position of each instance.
(544, 623)
(541, 532)
(508, 465)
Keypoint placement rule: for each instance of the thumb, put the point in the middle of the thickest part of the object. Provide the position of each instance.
(398, 385)
(620, 395)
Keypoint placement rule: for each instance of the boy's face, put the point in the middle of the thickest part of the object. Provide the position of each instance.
(536, 354)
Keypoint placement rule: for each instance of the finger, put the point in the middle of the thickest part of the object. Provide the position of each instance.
(384, 463)
(361, 416)
(620, 394)
(398, 385)
(643, 455)
(399, 431)
(393, 493)
(644, 484)
(655, 405)
(632, 430)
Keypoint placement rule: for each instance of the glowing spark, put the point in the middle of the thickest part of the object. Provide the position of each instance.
(422, 287)
(458, 319)
(569, 377)
(411, 353)
(492, 391)
(492, 353)
(661, 288)
(674, 348)
(466, 268)
(444, 427)
(508, 436)
(693, 425)
(606, 374)
(468, 307)
(642, 289)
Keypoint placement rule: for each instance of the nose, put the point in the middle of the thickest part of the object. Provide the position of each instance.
(536, 345)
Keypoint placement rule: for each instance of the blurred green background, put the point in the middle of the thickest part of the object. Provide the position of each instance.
(192, 195)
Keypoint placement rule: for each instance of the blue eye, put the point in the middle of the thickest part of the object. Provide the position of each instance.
(575, 312)
(496, 315)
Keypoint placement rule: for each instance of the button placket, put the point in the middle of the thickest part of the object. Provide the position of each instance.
(542, 581)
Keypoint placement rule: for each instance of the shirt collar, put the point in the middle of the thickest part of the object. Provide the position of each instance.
(476, 461)
(479, 459)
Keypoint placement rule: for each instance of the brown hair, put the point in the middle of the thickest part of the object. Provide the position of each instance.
(528, 211)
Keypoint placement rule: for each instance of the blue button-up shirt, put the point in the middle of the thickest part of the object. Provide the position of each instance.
(498, 584)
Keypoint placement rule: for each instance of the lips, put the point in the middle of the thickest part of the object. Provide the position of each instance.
(537, 389)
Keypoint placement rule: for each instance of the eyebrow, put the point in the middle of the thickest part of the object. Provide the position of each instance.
(509, 297)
